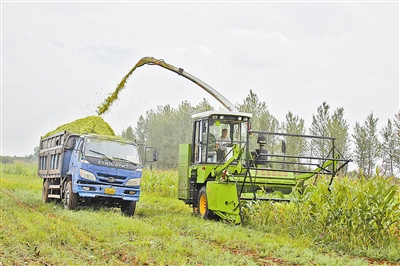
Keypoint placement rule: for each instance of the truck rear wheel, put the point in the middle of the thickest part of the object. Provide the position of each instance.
(70, 198)
(202, 209)
(45, 191)
(128, 207)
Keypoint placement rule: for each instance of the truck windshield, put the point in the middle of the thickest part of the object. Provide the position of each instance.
(112, 150)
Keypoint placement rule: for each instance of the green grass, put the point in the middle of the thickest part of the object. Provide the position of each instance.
(162, 231)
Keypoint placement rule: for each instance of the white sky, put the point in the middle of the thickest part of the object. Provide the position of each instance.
(60, 60)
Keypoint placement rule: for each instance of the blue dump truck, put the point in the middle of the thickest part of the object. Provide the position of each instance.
(92, 170)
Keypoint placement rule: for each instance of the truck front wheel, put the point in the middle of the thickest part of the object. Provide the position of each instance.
(70, 198)
(128, 207)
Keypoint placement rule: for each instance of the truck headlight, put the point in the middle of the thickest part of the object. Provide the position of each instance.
(87, 175)
(133, 182)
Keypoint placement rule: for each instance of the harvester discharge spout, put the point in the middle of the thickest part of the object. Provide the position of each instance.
(159, 62)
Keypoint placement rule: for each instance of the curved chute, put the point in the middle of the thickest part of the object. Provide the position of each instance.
(152, 61)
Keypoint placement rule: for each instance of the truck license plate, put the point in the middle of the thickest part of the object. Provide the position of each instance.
(109, 191)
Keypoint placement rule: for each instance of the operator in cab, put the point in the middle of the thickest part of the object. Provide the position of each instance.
(223, 141)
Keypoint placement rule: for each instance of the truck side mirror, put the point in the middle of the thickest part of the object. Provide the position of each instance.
(151, 154)
(283, 147)
(155, 155)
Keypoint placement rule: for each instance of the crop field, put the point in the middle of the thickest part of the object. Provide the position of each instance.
(356, 223)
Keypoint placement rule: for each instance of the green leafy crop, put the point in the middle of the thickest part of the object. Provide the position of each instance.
(87, 125)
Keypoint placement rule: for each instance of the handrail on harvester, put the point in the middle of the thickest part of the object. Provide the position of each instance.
(160, 62)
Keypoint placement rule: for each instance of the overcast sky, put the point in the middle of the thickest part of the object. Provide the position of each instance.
(60, 60)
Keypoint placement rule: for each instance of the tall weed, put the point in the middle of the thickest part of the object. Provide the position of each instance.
(19, 168)
(353, 212)
(349, 215)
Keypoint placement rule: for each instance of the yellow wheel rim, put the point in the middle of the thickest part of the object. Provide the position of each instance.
(203, 205)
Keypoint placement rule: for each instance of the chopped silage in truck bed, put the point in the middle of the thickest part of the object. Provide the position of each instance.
(87, 125)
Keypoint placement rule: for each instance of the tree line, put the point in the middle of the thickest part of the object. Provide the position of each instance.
(166, 127)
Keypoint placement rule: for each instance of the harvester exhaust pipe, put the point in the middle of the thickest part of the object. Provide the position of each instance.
(261, 153)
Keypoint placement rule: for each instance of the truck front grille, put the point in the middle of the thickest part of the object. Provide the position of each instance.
(111, 179)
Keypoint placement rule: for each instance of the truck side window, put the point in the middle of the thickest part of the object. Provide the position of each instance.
(78, 146)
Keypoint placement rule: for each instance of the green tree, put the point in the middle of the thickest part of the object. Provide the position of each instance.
(338, 128)
(295, 146)
(183, 121)
(268, 122)
(128, 134)
(360, 149)
(396, 129)
(389, 145)
(202, 106)
(262, 119)
(327, 125)
(319, 127)
(367, 146)
(141, 132)
(161, 132)
(36, 152)
(253, 105)
(167, 127)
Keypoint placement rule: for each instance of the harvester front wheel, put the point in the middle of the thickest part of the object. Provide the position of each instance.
(202, 209)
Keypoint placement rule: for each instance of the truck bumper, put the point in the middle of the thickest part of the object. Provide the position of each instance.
(107, 191)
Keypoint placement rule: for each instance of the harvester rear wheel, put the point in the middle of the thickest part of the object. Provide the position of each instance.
(202, 209)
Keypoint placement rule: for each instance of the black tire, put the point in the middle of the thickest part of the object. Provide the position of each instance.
(70, 198)
(45, 191)
(128, 207)
(202, 205)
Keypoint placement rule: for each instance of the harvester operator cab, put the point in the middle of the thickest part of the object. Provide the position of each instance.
(215, 133)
